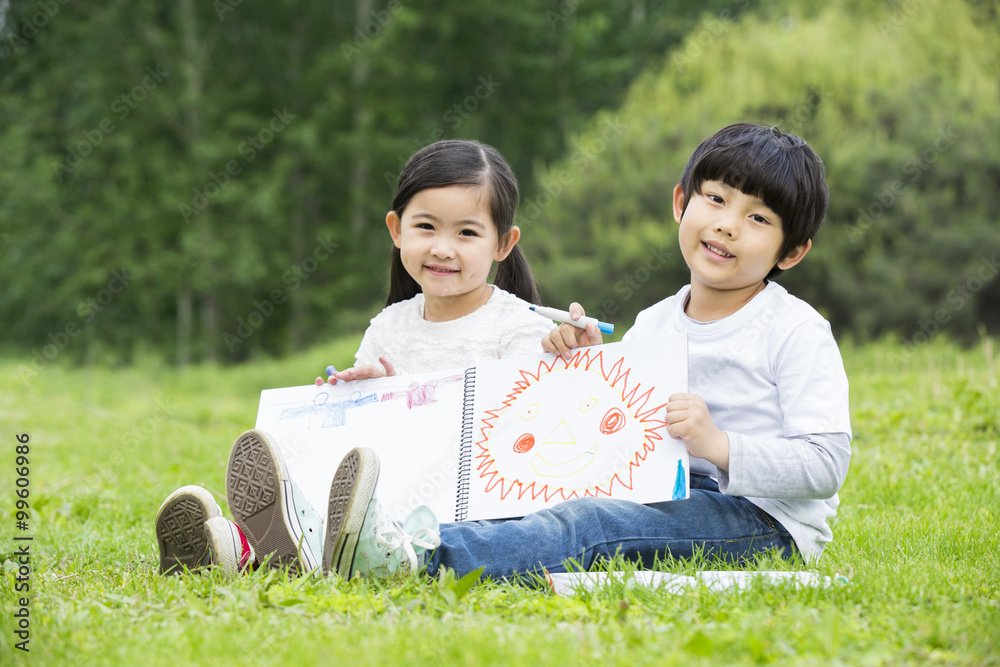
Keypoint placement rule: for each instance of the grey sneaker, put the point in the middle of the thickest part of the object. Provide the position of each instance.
(180, 529)
(187, 540)
(269, 508)
(360, 538)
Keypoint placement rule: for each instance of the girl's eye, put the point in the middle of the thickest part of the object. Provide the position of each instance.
(469, 232)
(424, 225)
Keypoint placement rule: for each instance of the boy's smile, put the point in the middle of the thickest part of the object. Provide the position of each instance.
(730, 241)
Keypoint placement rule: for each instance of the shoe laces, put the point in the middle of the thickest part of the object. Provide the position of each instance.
(390, 535)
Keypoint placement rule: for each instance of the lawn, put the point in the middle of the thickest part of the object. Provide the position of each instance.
(916, 534)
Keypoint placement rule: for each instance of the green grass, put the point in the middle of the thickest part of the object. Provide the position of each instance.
(917, 530)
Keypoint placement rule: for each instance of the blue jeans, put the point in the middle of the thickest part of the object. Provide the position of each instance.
(587, 530)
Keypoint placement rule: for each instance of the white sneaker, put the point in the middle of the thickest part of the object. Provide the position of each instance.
(192, 533)
(269, 509)
(180, 529)
(229, 549)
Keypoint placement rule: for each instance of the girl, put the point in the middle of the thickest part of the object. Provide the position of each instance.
(451, 219)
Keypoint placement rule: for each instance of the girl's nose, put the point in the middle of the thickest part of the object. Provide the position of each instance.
(443, 248)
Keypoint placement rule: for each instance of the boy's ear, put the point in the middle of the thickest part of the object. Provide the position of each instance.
(513, 236)
(395, 226)
(795, 256)
(678, 202)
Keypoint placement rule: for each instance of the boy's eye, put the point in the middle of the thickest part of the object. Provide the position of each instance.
(761, 219)
(716, 198)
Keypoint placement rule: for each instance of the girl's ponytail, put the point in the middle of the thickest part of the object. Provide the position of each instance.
(402, 286)
(514, 276)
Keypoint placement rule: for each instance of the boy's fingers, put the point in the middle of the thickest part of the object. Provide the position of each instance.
(576, 310)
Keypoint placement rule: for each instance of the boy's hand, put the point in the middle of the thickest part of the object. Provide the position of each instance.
(365, 372)
(565, 338)
(688, 420)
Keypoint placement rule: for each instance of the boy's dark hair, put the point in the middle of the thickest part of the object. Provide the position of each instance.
(764, 162)
(464, 162)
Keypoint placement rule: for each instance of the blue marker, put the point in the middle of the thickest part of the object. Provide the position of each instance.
(330, 370)
(563, 316)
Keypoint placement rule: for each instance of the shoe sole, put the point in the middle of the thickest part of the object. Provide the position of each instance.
(258, 491)
(350, 494)
(180, 529)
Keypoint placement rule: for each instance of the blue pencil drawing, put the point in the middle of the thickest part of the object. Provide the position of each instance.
(323, 413)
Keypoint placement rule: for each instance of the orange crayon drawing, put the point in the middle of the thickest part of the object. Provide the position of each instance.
(570, 428)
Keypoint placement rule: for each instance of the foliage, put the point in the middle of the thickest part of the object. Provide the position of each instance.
(900, 100)
(915, 532)
(235, 160)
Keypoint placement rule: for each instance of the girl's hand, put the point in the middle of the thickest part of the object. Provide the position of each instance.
(365, 372)
(565, 338)
(688, 420)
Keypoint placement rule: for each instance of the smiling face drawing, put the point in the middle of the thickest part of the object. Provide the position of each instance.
(571, 429)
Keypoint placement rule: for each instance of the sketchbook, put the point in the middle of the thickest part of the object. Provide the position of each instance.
(501, 439)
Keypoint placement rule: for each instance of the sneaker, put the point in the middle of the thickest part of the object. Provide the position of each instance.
(180, 529)
(360, 538)
(229, 549)
(269, 509)
(187, 540)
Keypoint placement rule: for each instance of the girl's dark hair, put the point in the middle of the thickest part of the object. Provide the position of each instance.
(778, 168)
(464, 162)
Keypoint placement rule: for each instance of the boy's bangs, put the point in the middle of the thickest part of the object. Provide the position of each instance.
(753, 170)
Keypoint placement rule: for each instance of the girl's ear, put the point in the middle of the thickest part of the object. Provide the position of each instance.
(678, 202)
(795, 256)
(395, 226)
(513, 236)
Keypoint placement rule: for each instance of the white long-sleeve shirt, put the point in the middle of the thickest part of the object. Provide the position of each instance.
(773, 379)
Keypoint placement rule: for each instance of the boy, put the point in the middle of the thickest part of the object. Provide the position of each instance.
(766, 421)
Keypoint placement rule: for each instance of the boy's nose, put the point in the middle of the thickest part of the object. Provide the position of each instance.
(727, 224)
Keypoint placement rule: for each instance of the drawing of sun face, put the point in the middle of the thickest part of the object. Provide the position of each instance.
(569, 430)
(565, 440)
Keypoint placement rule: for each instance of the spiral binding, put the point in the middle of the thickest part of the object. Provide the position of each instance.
(465, 450)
